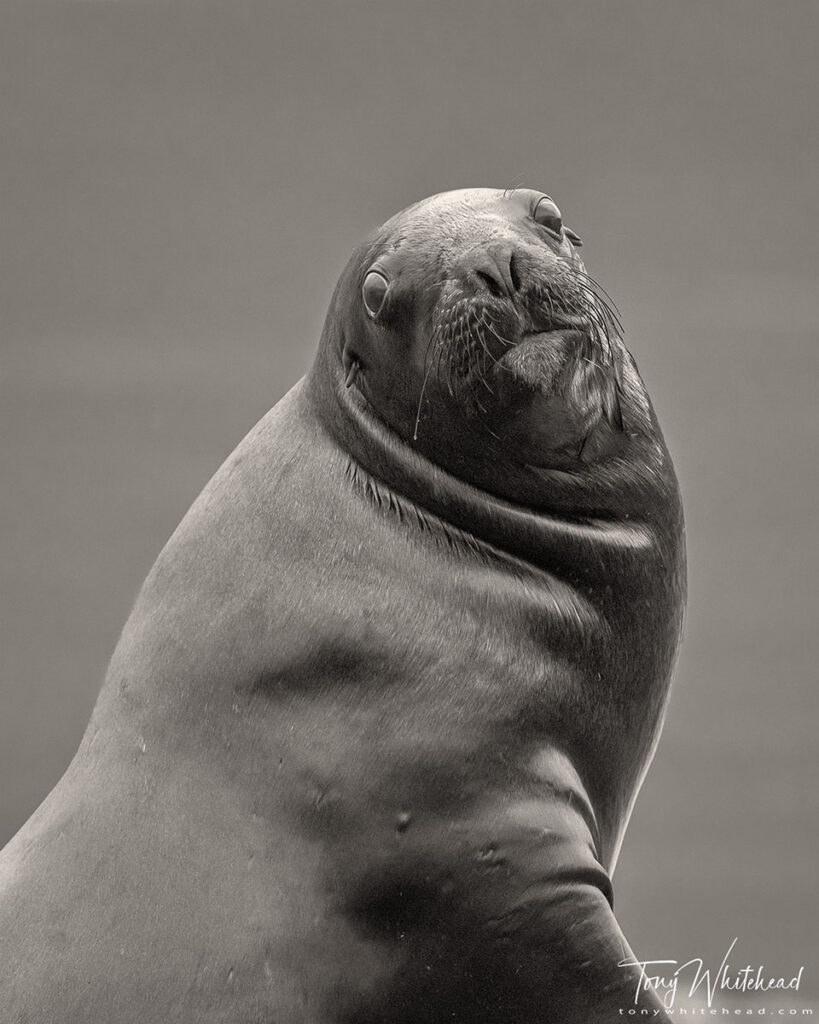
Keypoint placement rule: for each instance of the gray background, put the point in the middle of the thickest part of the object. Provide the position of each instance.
(181, 184)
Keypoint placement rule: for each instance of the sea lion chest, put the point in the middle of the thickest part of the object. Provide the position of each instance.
(395, 665)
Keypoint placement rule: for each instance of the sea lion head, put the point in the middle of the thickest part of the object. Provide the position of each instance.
(470, 327)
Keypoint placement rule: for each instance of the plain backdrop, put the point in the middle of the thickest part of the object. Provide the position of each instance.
(181, 183)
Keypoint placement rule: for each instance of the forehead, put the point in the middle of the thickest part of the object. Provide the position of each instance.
(467, 205)
(458, 218)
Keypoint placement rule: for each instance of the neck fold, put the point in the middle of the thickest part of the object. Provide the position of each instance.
(612, 507)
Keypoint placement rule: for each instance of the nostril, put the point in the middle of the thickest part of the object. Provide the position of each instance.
(514, 273)
(492, 285)
(496, 269)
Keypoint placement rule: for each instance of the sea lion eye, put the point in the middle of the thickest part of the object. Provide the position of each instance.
(547, 215)
(374, 291)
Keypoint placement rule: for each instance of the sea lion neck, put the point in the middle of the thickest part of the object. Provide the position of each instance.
(610, 507)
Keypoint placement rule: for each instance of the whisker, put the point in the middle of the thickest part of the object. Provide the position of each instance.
(510, 190)
(432, 339)
(478, 333)
(581, 272)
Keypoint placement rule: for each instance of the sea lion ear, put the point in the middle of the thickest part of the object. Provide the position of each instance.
(573, 237)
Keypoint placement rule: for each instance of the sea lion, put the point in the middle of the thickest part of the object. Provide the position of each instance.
(369, 741)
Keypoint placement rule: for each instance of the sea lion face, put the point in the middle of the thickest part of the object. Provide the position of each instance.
(473, 330)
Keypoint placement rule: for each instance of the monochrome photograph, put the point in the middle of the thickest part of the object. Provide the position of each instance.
(408, 508)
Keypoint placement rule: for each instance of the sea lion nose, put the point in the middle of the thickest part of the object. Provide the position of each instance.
(495, 268)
